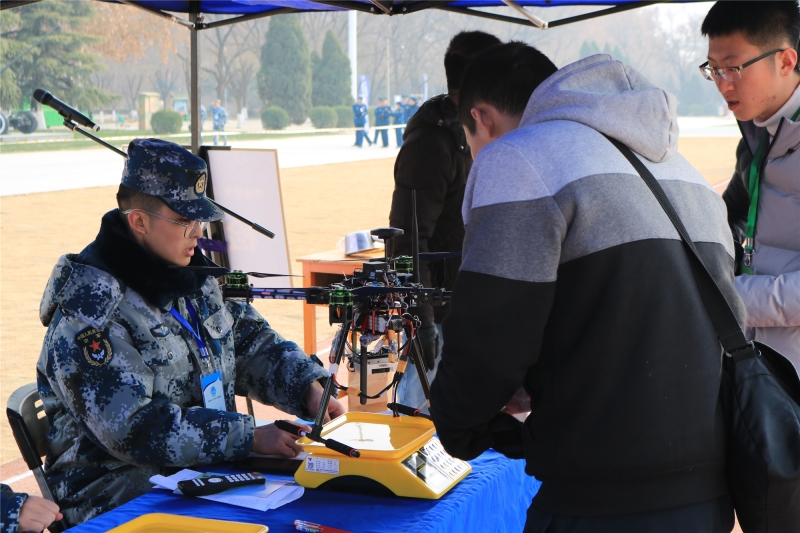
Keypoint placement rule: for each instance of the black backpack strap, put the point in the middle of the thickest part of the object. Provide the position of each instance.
(730, 333)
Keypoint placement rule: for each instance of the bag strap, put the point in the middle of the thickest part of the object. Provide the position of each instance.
(730, 333)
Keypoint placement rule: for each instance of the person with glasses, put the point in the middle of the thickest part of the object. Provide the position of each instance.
(142, 356)
(753, 60)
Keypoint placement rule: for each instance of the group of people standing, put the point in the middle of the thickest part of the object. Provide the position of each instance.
(384, 114)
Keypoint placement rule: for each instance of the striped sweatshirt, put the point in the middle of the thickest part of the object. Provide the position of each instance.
(576, 286)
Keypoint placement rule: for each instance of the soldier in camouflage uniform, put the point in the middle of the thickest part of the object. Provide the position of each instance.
(141, 360)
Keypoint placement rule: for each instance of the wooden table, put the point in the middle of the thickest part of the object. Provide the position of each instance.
(320, 270)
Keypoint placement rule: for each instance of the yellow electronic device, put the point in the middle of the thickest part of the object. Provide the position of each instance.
(400, 453)
(170, 523)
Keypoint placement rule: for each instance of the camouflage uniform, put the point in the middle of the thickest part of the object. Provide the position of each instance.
(10, 504)
(120, 379)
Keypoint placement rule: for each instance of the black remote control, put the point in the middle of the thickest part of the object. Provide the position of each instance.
(205, 486)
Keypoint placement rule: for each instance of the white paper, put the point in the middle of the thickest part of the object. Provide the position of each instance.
(273, 494)
(171, 482)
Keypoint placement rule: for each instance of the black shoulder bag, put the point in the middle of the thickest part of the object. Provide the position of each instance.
(760, 393)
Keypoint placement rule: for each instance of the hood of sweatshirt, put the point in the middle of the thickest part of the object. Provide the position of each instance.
(612, 98)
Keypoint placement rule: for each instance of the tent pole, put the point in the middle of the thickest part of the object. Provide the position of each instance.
(352, 50)
(194, 77)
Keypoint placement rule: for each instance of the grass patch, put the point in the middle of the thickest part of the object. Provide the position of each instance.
(83, 143)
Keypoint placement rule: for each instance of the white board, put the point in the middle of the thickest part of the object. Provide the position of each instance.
(247, 182)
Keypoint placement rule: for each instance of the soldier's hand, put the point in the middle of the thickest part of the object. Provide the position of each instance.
(37, 513)
(314, 397)
(269, 440)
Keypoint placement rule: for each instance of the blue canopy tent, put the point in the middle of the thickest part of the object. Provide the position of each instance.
(242, 10)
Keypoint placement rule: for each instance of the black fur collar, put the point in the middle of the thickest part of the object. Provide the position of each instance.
(116, 252)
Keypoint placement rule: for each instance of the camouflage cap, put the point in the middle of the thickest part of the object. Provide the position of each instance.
(172, 173)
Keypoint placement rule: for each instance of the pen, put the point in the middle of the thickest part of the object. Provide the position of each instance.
(310, 527)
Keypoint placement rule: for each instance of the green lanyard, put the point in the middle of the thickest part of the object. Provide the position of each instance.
(755, 183)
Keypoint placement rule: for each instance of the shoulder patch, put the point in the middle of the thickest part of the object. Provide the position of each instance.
(95, 346)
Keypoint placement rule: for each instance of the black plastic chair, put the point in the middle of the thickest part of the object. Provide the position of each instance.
(30, 424)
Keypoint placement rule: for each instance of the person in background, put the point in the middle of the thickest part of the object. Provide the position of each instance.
(399, 115)
(360, 113)
(383, 114)
(413, 107)
(20, 512)
(220, 118)
(752, 57)
(434, 161)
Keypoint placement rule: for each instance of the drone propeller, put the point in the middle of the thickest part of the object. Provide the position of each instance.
(217, 271)
(424, 257)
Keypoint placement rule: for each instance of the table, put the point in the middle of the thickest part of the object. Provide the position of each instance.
(492, 498)
(320, 270)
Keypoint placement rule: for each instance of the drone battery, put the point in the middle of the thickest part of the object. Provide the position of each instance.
(380, 372)
(376, 323)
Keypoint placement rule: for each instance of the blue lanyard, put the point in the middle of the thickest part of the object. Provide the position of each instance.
(196, 334)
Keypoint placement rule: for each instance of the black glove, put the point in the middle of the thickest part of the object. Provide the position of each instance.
(428, 336)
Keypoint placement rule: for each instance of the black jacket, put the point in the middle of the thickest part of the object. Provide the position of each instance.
(435, 161)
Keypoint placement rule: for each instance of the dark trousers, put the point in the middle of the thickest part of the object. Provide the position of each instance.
(362, 136)
(712, 516)
(384, 136)
(399, 133)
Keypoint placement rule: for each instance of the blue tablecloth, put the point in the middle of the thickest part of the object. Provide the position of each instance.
(492, 498)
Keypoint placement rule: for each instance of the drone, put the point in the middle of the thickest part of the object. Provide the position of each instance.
(376, 328)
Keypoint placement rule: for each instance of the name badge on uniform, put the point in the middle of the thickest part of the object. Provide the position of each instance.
(213, 395)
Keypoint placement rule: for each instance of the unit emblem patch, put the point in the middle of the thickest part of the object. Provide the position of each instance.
(95, 346)
(200, 184)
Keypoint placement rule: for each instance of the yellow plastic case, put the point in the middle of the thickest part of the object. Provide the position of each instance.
(170, 523)
(400, 453)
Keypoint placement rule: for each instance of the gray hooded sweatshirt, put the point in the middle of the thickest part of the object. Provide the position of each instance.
(575, 285)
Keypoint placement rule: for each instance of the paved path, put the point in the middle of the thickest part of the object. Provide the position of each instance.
(32, 172)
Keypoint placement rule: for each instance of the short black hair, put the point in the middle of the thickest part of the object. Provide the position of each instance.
(767, 25)
(128, 198)
(504, 77)
(462, 48)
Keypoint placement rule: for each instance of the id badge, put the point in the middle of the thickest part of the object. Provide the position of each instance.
(213, 395)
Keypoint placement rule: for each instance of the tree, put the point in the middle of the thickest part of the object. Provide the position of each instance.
(330, 74)
(61, 63)
(285, 76)
(133, 85)
(234, 50)
(589, 48)
(165, 83)
(126, 33)
(241, 75)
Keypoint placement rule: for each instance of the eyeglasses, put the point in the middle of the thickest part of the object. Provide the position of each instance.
(190, 227)
(732, 73)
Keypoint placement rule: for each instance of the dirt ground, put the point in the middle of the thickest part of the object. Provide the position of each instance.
(36, 229)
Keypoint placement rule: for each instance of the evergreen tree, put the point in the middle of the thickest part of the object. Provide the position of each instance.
(285, 76)
(589, 48)
(61, 63)
(331, 74)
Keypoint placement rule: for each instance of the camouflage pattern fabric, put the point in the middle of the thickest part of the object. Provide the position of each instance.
(174, 174)
(121, 383)
(10, 505)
